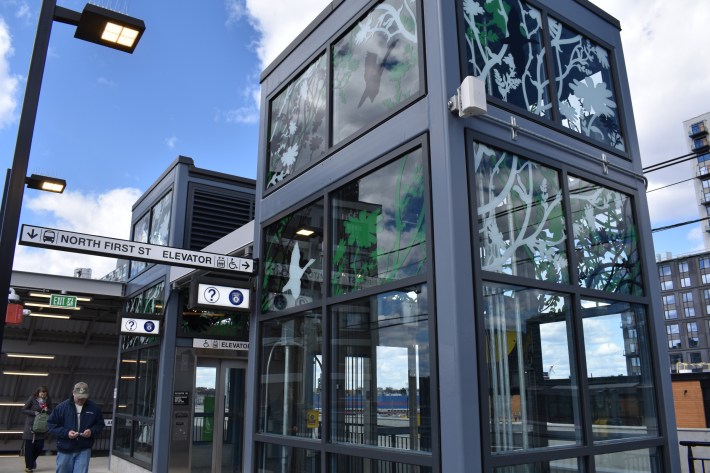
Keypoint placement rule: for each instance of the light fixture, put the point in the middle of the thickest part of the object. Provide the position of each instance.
(133, 361)
(12, 404)
(128, 377)
(49, 316)
(47, 306)
(47, 295)
(25, 373)
(29, 355)
(45, 183)
(108, 28)
(305, 232)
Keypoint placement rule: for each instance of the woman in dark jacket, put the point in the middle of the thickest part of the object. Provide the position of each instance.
(34, 441)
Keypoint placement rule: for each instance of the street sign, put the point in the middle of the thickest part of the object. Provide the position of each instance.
(233, 345)
(55, 239)
(223, 296)
(133, 326)
(60, 300)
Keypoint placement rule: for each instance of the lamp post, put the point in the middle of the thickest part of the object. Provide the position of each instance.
(94, 24)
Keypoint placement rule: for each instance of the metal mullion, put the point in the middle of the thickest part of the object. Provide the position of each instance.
(326, 345)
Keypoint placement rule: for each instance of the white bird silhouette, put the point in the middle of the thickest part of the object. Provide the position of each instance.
(295, 273)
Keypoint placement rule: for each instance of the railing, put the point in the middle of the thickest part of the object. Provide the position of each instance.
(693, 459)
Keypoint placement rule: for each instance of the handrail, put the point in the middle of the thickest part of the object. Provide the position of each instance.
(691, 458)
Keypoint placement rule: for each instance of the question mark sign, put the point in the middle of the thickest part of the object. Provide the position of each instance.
(211, 294)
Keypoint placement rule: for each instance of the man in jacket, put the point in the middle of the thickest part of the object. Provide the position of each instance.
(75, 423)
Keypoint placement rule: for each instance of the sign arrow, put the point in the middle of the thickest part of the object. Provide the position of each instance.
(245, 265)
(32, 234)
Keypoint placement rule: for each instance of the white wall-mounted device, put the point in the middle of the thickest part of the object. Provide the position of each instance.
(470, 98)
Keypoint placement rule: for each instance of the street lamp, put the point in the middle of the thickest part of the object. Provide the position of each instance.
(46, 183)
(94, 24)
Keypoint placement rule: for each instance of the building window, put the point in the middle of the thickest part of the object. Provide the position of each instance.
(689, 311)
(676, 362)
(693, 338)
(504, 47)
(704, 263)
(138, 382)
(706, 278)
(695, 357)
(673, 335)
(666, 285)
(154, 228)
(697, 128)
(377, 340)
(683, 267)
(687, 297)
(376, 69)
(671, 314)
(685, 282)
(664, 270)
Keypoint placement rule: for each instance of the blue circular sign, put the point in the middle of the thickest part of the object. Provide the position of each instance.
(236, 297)
(149, 326)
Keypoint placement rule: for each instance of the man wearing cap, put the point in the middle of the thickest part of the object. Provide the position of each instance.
(75, 423)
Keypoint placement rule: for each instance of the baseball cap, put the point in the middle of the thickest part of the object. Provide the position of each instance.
(81, 390)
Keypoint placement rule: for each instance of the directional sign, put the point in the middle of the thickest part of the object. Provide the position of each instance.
(222, 296)
(55, 239)
(60, 300)
(131, 325)
(234, 345)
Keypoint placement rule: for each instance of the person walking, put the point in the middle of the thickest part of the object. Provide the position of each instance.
(75, 422)
(33, 434)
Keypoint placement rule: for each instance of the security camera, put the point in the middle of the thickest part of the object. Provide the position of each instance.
(13, 297)
(470, 98)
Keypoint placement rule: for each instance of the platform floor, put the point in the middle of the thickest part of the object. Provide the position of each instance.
(46, 464)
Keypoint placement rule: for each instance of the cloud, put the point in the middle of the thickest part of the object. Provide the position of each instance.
(171, 142)
(248, 115)
(671, 204)
(23, 11)
(8, 81)
(105, 81)
(235, 10)
(107, 214)
(279, 22)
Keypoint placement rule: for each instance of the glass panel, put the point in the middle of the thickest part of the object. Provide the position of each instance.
(619, 370)
(149, 301)
(605, 238)
(147, 382)
(375, 67)
(379, 227)
(144, 441)
(203, 419)
(533, 397)
(289, 400)
(275, 458)
(380, 363)
(348, 464)
(297, 132)
(632, 461)
(293, 260)
(122, 435)
(126, 388)
(141, 232)
(203, 323)
(160, 224)
(233, 435)
(568, 465)
(585, 89)
(504, 42)
(520, 216)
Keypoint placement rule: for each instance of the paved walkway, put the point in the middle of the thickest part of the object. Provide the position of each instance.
(46, 464)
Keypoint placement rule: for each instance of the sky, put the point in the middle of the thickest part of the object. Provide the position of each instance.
(110, 123)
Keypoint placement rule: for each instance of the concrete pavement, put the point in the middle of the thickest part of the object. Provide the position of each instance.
(46, 464)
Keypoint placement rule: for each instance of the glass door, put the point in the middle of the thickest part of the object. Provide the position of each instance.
(218, 413)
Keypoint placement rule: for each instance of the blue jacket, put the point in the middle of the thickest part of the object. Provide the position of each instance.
(63, 419)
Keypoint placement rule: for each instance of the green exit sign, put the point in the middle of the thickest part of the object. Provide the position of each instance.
(60, 300)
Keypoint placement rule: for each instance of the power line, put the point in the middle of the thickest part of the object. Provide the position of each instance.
(669, 162)
(668, 227)
(668, 185)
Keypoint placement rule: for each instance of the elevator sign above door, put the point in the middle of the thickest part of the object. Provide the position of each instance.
(54, 239)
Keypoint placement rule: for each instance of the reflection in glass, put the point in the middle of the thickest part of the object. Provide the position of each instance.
(533, 399)
(141, 233)
(122, 428)
(632, 461)
(379, 226)
(619, 369)
(290, 389)
(585, 89)
(381, 372)
(202, 323)
(349, 464)
(520, 215)
(148, 302)
(605, 238)
(504, 42)
(293, 260)
(147, 382)
(160, 223)
(144, 441)
(276, 458)
(297, 132)
(567, 465)
(375, 67)
(126, 388)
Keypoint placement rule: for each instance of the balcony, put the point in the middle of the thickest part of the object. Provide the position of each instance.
(698, 129)
(700, 144)
(703, 170)
(704, 199)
